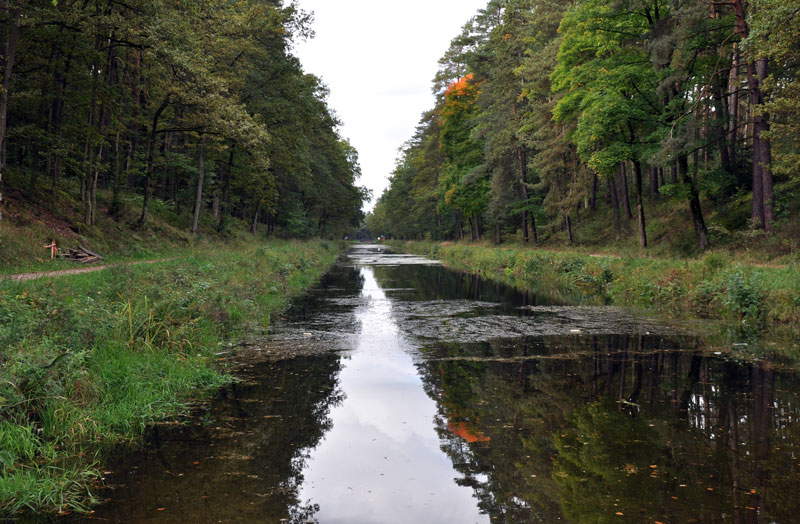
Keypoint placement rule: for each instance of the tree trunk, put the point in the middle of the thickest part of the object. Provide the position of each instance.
(524, 225)
(523, 182)
(593, 200)
(757, 212)
(258, 212)
(215, 199)
(612, 191)
(473, 224)
(114, 208)
(568, 225)
(86, 183)
(225, 190)
(201, 173)
(721, 125)
(89, 174)
(535, 233)
(133, 129)
(733, 105)
(700, 229)
(637, 170)
(623, 186)
(761, 125)
(763, 208)
(93, 188)
(654, 182)
(148, 176)
(7, 66)
(498, 233)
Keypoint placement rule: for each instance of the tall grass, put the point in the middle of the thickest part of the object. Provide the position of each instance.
(89, 361)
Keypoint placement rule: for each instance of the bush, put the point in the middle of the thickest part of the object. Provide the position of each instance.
(745, 298)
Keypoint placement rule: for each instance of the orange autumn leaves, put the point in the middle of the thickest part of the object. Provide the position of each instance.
(462, 91)
(459, 87)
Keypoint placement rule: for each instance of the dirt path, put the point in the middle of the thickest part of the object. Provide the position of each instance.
(21, 277)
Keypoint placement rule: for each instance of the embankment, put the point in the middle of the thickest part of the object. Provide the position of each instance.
(747, 297)
(89, 361)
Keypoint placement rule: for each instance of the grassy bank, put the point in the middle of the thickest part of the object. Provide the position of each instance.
(89, 361)
(748, 297)
(25, 232)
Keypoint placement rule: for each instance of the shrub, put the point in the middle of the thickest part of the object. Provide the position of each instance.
(745, 298)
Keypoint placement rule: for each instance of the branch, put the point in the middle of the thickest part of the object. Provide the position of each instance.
(188, 129)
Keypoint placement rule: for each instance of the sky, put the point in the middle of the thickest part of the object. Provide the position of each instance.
(379, 58)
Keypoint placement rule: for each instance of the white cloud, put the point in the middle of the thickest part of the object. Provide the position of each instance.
(379, 58)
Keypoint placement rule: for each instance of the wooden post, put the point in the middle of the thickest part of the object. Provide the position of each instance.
(53, 249)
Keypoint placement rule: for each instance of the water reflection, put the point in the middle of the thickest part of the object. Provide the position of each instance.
(381, 461)
(242, 462)
(629, 430)
(426, 395)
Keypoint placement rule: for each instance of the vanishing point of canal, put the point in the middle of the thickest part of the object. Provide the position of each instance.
(399, 391)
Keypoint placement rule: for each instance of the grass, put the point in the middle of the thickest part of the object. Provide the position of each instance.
(748, 298)
(91, 360)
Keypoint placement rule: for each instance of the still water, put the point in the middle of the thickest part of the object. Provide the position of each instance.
(399, 391)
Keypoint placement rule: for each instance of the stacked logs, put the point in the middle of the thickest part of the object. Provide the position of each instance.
(82, 255)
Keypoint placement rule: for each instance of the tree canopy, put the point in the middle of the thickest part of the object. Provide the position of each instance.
(200, 104)
(565, 109)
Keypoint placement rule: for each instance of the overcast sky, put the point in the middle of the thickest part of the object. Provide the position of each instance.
(378, 58)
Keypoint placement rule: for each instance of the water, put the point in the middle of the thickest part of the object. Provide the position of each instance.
(399, 391)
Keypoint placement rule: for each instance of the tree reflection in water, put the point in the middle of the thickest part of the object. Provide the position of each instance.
(624, 429)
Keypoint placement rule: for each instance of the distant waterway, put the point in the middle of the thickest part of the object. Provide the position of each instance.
(400, 391)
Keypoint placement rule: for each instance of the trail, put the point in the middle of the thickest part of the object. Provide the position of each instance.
(21, 277)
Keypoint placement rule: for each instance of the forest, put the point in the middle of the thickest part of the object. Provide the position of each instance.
(549, 114)
(199, 104)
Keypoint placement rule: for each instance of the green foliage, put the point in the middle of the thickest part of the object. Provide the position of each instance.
(745, 297)
(569, 110)
(600, 68)
(179, 82)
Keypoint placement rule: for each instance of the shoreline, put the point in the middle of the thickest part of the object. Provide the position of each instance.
(750, 301)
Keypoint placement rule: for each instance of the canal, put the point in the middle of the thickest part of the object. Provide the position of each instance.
(399, 391)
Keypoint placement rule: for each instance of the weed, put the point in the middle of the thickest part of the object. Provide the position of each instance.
(745, 298)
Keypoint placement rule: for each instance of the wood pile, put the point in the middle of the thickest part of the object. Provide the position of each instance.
(82, 255)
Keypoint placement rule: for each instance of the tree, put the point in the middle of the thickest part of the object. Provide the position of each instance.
(463, 181)
(606, 77)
